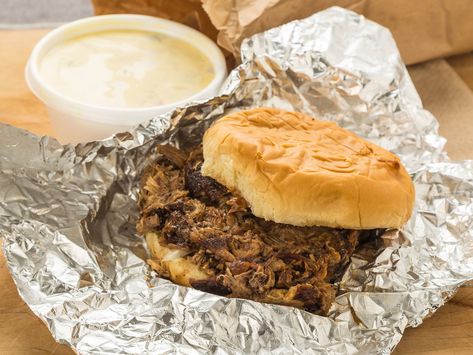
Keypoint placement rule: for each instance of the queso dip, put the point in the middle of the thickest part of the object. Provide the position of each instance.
(126, 69)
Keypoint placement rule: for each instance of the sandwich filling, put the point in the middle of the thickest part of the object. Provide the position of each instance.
(236, 253)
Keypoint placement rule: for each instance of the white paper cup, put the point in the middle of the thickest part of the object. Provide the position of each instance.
(75, 121)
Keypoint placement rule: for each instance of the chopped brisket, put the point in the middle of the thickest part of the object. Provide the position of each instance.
(248, 256)
(210, 285)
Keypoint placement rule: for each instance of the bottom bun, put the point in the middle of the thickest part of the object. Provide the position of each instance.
(173, 264)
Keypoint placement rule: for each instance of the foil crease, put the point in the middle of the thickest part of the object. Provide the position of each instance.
(67, 213)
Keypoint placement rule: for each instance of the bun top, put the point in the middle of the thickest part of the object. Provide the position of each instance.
(293, 169)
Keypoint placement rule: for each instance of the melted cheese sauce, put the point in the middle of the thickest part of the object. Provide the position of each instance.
(126, 69)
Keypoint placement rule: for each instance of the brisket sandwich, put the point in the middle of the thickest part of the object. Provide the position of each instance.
(270, 208)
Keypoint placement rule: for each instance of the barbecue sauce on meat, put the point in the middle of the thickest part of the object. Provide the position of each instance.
(247, 256)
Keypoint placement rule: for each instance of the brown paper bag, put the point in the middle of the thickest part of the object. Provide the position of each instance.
(188, 12)
(423, 29)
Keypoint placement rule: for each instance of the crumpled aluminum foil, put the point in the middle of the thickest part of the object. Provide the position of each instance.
(67, 213)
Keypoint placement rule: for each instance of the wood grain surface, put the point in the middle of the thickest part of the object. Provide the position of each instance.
(444, 87)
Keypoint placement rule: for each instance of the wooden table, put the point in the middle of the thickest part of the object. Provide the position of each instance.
(445, 88)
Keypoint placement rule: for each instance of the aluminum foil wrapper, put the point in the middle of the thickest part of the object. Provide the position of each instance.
(67, 213)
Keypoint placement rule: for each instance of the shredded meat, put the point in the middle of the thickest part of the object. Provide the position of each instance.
(247, 256)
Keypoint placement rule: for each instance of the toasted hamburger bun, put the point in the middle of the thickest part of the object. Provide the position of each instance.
(294, 169)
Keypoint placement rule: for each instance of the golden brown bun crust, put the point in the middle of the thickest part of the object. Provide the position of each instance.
(293, 169)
